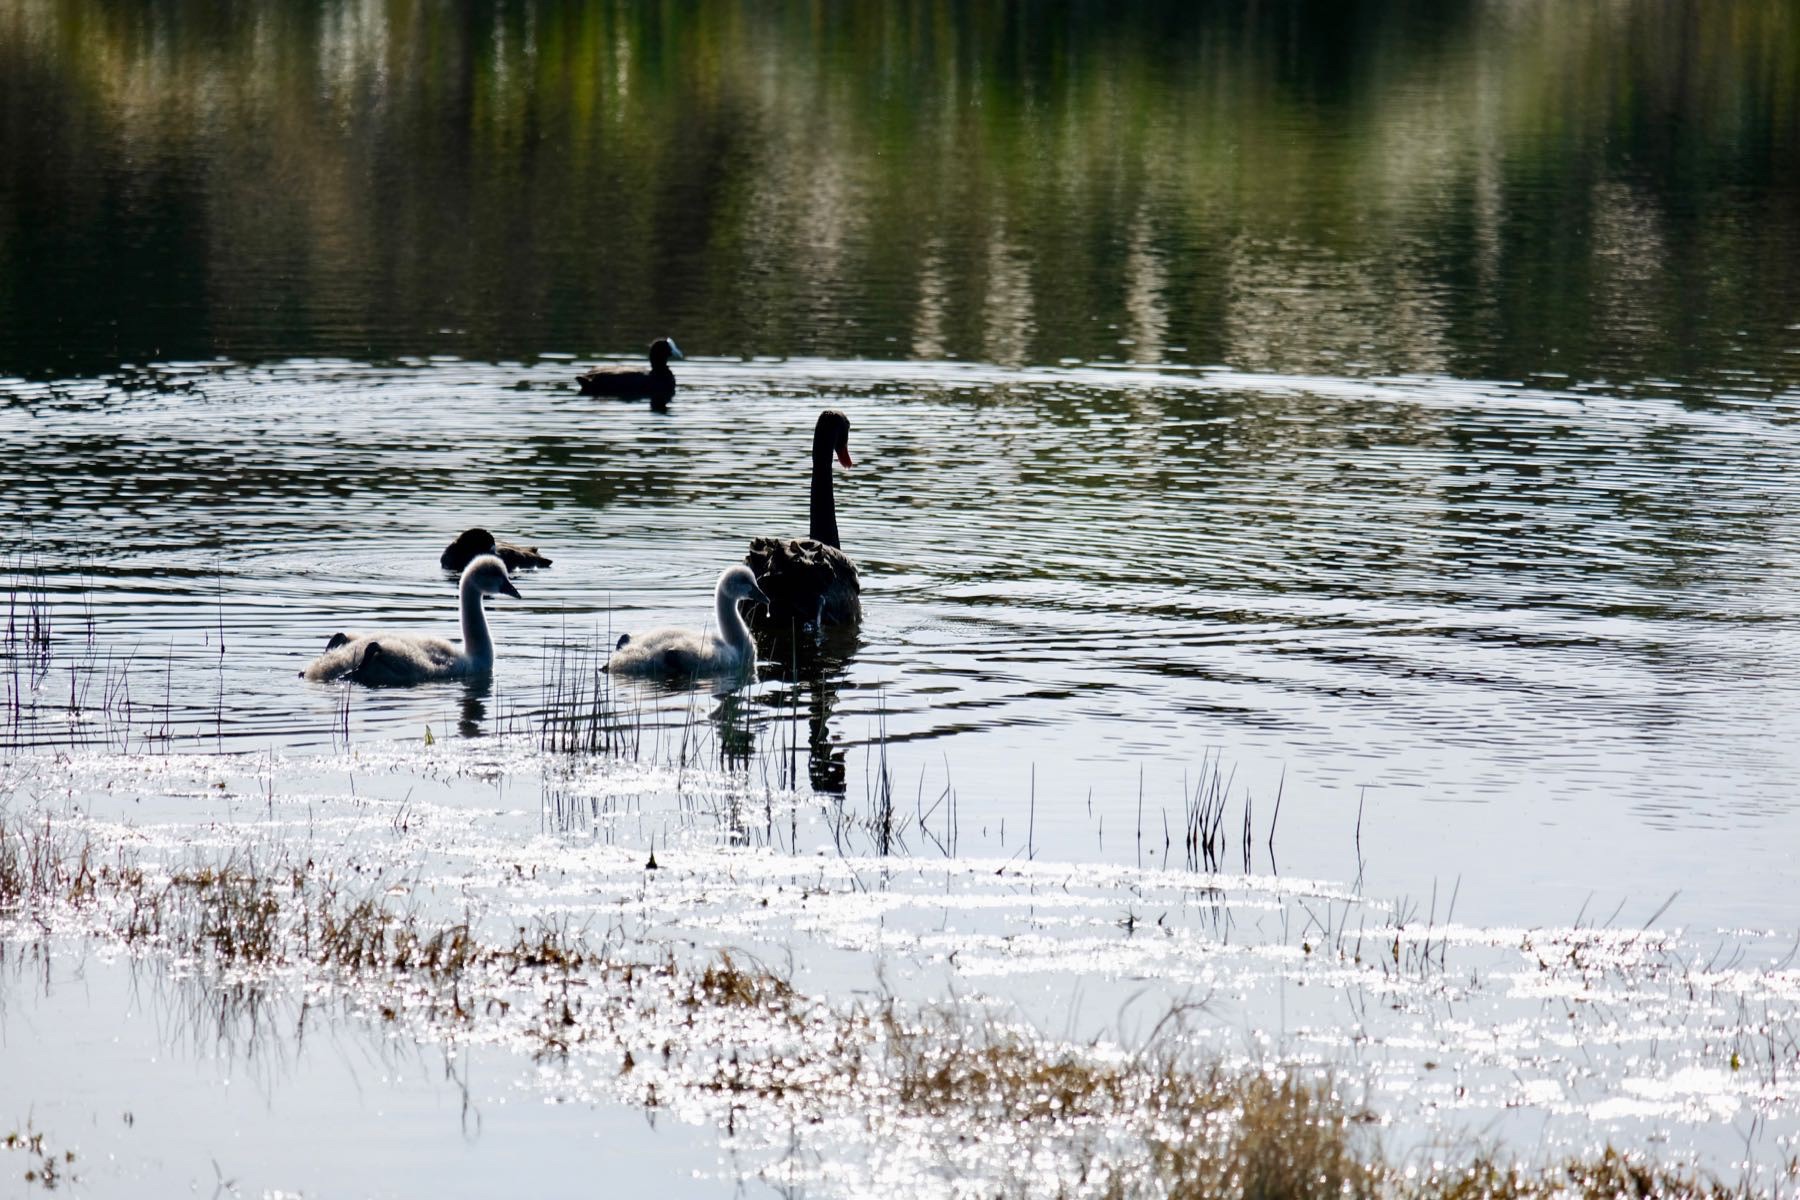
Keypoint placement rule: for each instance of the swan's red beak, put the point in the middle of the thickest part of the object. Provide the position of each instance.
(844, 456)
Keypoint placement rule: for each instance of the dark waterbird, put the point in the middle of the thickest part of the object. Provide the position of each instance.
(473, 543)
(628, 383)
(810, 580)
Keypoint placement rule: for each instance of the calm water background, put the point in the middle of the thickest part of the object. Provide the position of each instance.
(1398, 401)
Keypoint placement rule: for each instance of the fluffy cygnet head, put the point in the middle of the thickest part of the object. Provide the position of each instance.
(487, 575)
(739, 583)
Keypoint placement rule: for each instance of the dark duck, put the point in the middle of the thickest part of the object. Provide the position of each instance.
(473, 543)
(810, 580)
(628, 383)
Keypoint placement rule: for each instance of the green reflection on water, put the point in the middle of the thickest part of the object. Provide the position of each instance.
(1494, 190)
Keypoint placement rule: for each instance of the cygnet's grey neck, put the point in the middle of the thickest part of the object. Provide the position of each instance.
(732, 630)
(478, 644)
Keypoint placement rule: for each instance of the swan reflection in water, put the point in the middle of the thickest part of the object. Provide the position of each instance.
(755, 728)
(476, 690)
(812, 663)
(805, 669)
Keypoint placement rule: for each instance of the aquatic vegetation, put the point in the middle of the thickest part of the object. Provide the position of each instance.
(1201, 1130)
(42, 864)
(580, 707)
(97, 702)
(45, 1167)
(722, 1037)
(1609, 1175)
(64, 687)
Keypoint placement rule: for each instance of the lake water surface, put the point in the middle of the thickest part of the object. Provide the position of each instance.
(1392, 412)
(1511, 624)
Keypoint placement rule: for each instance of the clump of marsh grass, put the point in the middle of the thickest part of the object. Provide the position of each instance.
(1256, 1135)
(580, 712)
(940, 1063)
(1151, 1124)
(728, 983)
(1611, 1175)
(231, 915)
(27, 633)
(41, 864)
(97, 706)
(1192, 1130)
(44, 1166)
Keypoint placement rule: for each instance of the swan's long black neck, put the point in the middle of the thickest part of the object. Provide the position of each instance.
(823, 508)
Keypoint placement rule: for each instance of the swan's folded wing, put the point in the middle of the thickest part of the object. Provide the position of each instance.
(516, 556)
(342, 656)
(666, 652)
(805, 580)
(614, 381)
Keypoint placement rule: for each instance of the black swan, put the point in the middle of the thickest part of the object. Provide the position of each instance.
(810, 580)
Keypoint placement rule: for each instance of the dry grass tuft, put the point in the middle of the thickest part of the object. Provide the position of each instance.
(231, 915)
(1255, 1135)
(39, 864)
(1612, 1176)
(1201, 1131)
(939, 1066)
(725, 984)
(1150, 1126)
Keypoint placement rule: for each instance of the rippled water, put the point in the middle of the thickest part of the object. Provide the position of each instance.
(1381, 417)
(1504, 623)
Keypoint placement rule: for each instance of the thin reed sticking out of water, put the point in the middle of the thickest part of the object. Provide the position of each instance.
(64, 689)
(879, 793)
(579, 709)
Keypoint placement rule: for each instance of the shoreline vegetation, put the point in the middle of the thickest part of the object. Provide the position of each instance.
(718, 1033)
(725, 1035)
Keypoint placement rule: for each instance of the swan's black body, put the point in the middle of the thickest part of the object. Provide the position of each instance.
(628, 383)
(809, 580)
(806, 581)
(473, 543)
